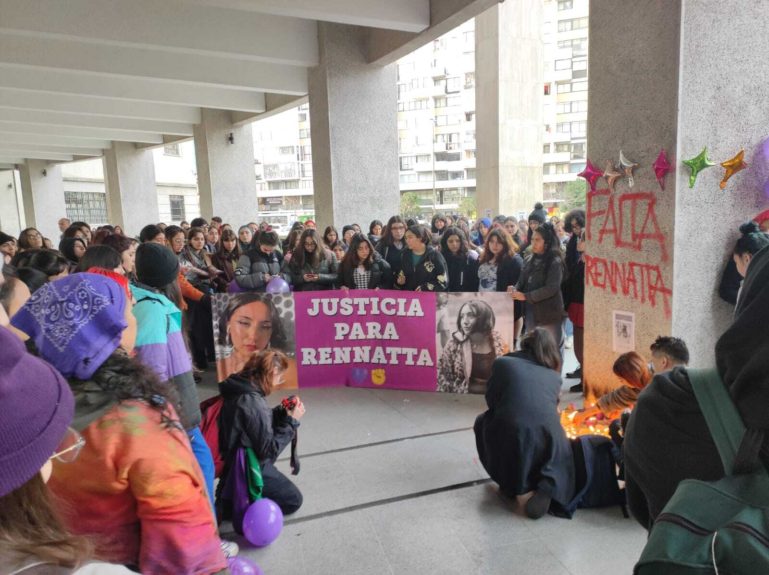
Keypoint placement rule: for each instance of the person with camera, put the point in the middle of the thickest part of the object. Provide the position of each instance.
(248, 422)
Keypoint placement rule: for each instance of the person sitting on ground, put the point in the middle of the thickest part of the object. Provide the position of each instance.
(247, 421)
(668, 352)
(667, 439)
(632, 370)
(520, 440)
(136, 490)
(36, 409)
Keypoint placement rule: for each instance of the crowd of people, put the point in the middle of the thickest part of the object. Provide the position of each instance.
(103, 455)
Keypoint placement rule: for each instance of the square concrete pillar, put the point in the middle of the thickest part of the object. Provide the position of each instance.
(509, 81)
(225, 160)
(42, 190)
(353, 115)
(132, 198)
(10, 215)
(656, 253)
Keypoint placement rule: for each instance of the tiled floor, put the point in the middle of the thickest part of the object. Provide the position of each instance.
(375, 468)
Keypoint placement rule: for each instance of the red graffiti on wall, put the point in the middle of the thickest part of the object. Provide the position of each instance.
(638, 281)
(629, 219)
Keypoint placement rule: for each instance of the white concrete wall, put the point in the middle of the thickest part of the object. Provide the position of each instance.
(10, 218)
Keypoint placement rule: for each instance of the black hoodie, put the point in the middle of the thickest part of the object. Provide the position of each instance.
(667, 439)
(247, 421)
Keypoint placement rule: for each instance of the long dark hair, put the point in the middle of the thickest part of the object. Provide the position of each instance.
(387, 237)
(463, 245)
(351, 259)
(126, 378)
(31, 527)
(509, 247)
(50, 262)
(552, 245)
(279, 337)
(299, 256)
(540, 345)
(327, 231)
(223, 254)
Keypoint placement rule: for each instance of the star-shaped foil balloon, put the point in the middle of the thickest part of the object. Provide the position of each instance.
(627, 167)
(591, 175)
(697, 164)
(661, 168)
(611, 174)
(733, 166)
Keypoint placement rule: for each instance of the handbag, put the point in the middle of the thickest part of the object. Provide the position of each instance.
(712, 527)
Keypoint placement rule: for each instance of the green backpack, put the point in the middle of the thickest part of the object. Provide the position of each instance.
(719, 527)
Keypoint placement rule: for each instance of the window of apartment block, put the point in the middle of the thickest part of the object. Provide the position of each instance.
(170, 150)
(562, 147)
(442, 175)
(178, 212)
(565, 4)
(469, 79)
(562, 168)
(576, 168)
(402, 89)
(469, 154)
(423, 158)
(458, 175)
(408, 178)
(580, 86)
(440, 83)
(306, 153)
(283, 185)
(86, 207)
(407, 162)
(447, 156)
(303, 117)
(579, 128)
(303, 133)
(452, 85)
(306, 170)
(471, 174)
(548, 169)
(578, 151)
(563, 64)
(469, 116)
(546, 149)
(425, 177)
(286, 150)
(564, 87)
(440, 102)
(563, 127)
(453, 101)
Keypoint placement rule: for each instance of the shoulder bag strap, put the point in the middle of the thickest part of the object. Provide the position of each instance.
(722, 417)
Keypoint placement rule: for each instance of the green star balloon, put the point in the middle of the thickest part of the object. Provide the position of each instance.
(697, 164)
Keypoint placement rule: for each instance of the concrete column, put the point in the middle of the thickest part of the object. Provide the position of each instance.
(509, 81)
(353, 115)
(129, 177)
(43, 195)
(10, 216)
(226, 178)
(679, 93)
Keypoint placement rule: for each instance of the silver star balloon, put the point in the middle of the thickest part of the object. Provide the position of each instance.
(627, 167)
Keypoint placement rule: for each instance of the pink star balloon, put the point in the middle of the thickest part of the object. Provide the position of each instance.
(661, 168)
(591, 175)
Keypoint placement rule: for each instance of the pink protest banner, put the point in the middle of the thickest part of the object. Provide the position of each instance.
(366, 338)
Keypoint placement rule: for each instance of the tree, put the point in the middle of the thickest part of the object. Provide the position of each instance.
(410, 206)
(574, 195)
(468, 207)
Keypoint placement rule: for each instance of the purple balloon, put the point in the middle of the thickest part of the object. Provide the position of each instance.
(243, 566)
(262, 522)
(277, 285)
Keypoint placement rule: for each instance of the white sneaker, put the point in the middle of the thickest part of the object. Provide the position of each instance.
(229, 548)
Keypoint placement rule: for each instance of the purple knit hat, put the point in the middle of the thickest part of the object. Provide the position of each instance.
(75, 322)
(36, 406)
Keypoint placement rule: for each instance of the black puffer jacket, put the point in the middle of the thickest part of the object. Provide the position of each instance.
(463, 272)
(252, 266)
(326, 270)
(247, 421)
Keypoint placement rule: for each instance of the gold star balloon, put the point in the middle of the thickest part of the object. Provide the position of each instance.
(611, 174)
(627, 167)
(697, 164)
(733, 166)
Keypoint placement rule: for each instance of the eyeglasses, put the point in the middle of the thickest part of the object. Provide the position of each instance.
(70, 447)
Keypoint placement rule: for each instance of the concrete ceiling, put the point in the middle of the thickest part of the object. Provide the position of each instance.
(78, 75)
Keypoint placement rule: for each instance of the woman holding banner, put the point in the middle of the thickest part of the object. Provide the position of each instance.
(364, 268)
(465, 364)
(422, 267)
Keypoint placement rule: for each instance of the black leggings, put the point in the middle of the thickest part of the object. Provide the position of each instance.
(201, 332)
